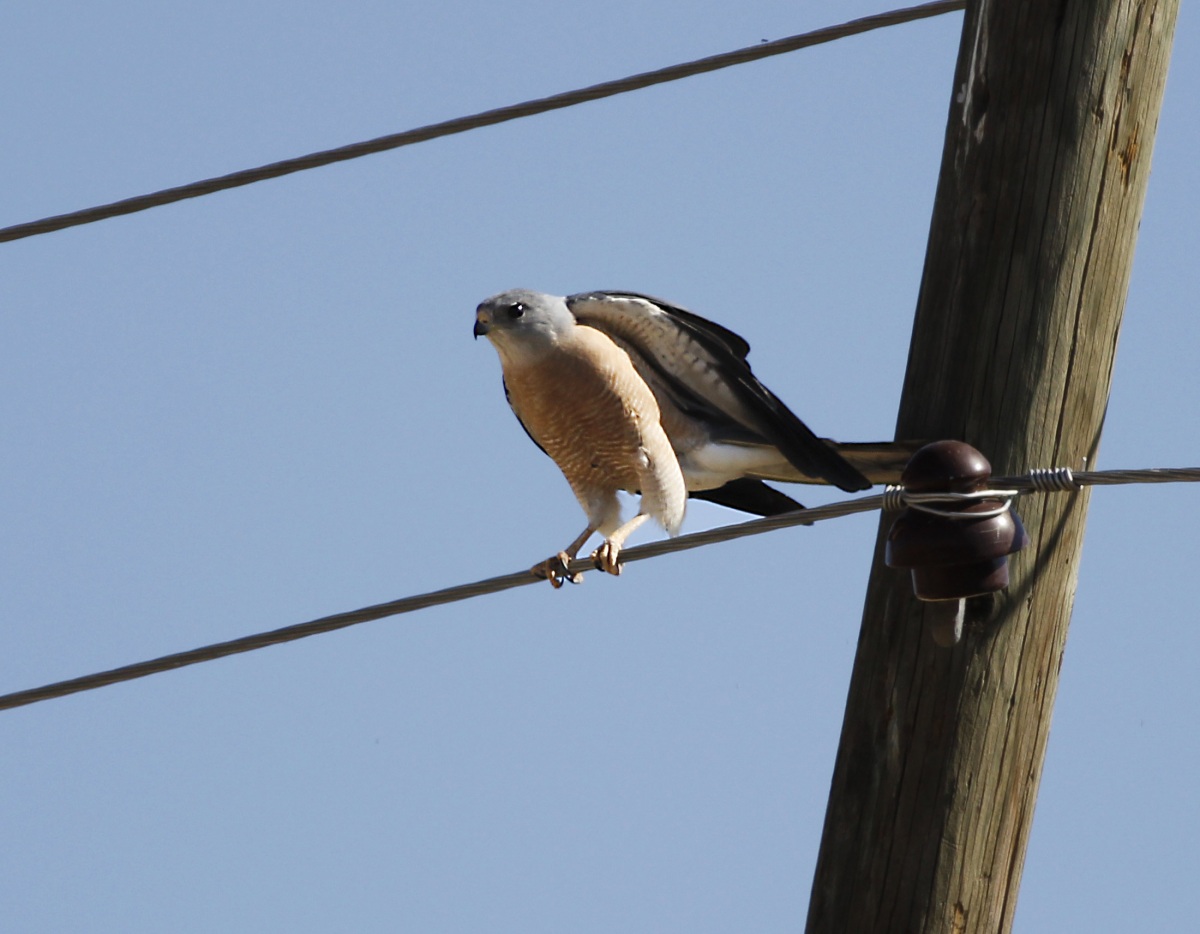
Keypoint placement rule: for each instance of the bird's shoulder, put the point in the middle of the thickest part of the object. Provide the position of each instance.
(650, 322)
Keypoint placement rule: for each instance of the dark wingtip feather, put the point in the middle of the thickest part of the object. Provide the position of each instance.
(752, 496)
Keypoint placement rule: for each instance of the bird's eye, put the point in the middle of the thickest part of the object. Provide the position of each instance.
(515, 310)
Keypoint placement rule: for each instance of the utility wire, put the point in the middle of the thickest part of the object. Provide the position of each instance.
(1056, 480)
(475, 121)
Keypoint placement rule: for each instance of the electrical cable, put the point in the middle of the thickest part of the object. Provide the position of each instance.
(1035, 481)
(475, 121)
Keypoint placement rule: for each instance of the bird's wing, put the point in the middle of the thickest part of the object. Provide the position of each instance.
(702, 366)
(751, 496)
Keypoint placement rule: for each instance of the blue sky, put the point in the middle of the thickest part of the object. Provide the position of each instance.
(264, 406)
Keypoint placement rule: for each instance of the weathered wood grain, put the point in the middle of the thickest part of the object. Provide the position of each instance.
(1053, 116)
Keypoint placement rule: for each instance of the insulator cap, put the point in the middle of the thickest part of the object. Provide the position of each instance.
(951, 551)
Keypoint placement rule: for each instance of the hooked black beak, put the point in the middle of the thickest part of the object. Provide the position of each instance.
(482, 325)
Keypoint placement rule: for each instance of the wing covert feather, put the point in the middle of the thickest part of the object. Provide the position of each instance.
(704, 368)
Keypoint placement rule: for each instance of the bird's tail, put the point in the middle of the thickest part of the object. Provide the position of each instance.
(879, 461)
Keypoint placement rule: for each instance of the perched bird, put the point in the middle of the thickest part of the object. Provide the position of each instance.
(627, 392)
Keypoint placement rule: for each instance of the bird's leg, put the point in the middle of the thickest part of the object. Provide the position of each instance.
(605, 557)
(555, 569)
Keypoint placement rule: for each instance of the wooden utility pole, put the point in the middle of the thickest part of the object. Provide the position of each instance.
(1047, 153)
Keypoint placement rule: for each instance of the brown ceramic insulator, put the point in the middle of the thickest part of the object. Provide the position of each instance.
(953, 556)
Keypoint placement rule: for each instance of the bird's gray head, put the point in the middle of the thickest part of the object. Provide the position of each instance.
(523, 323)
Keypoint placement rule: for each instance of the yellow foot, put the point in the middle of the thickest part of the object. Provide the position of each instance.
(555, 570)
(605, 558)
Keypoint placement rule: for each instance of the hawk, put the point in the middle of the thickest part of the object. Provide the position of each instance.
(628, 392)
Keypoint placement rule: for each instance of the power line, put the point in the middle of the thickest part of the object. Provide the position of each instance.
(486, 118)
(1042, 481)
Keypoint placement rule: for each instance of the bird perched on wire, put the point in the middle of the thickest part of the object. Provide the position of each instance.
(627, 392)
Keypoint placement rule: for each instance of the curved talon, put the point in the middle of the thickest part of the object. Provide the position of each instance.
(605, 558)
(556, 571)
